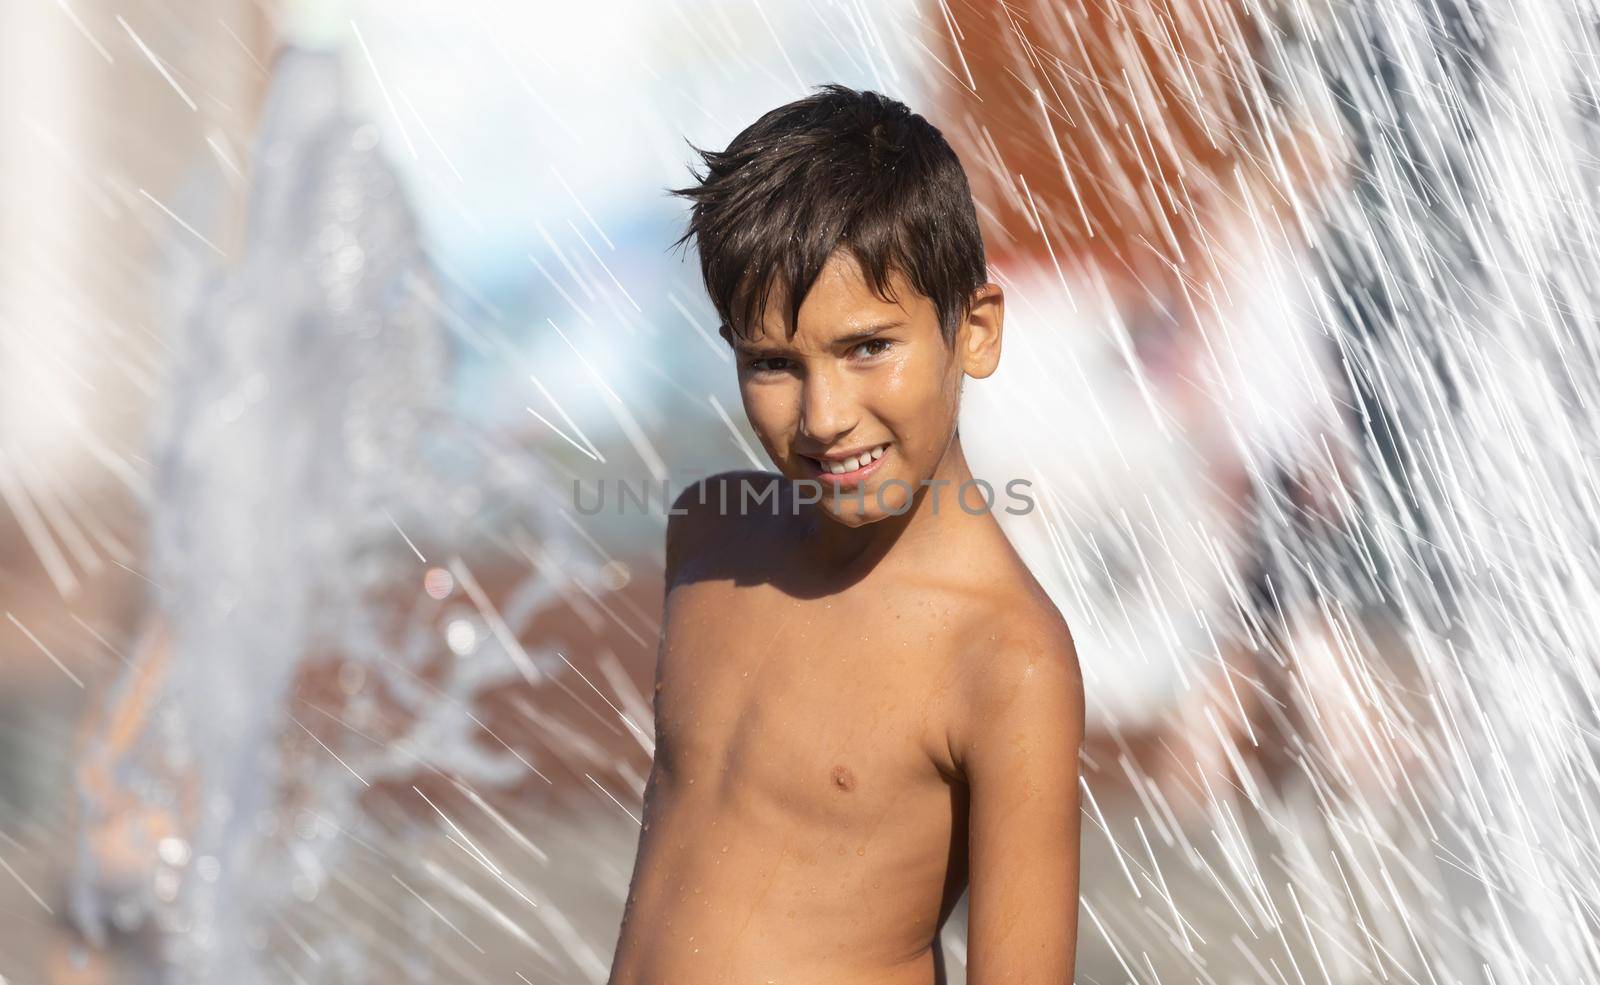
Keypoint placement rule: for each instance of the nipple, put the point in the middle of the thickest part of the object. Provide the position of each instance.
(843, 778)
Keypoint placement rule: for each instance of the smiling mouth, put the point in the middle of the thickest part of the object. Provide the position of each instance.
(850, 470)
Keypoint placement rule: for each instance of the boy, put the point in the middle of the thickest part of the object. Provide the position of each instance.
(863, 699)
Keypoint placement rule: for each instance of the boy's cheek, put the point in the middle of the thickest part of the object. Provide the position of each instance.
(768, 416)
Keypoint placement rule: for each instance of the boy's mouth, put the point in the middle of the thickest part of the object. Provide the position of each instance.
(848, 470)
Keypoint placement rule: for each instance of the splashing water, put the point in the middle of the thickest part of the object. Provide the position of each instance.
(307, 462)
(1416, 797)
(1391, 773)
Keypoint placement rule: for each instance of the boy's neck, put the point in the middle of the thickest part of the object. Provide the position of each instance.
(934, 517)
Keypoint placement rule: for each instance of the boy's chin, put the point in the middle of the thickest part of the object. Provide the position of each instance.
(850, 515)
(853, 512)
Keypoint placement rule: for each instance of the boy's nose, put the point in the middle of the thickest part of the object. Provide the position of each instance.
(827, 408)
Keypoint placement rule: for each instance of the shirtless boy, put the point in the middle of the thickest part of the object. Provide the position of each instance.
(864, 702)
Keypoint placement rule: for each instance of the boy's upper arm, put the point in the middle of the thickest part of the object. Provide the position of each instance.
(1019, 752)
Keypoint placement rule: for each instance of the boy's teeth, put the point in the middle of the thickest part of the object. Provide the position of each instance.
(851, 464)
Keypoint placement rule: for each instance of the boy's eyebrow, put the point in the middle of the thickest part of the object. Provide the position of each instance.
(856, 336)
(739, 345)
(868, 332)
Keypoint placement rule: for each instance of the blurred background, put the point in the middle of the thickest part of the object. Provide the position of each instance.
(315, 317)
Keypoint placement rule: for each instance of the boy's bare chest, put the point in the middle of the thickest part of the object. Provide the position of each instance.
(831, 708)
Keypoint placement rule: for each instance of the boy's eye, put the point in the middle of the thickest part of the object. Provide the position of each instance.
(885, 343)
(766, 365)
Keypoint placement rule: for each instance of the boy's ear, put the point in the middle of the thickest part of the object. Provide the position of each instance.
(980, 352)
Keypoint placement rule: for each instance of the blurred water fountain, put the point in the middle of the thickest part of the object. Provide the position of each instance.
(309, 474)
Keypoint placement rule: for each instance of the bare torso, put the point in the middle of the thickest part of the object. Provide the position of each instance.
(804, 821)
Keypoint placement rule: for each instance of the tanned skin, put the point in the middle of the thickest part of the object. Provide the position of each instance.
(857, 713)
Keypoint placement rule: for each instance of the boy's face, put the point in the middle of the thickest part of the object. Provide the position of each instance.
(864, 382)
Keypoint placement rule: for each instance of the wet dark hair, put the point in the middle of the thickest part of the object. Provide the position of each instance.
(837, 168)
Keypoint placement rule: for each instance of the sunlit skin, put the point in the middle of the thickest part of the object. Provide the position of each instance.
(857, 713)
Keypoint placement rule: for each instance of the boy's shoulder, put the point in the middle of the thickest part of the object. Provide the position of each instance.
(721, 488)
(718, 506)
(1011, 614)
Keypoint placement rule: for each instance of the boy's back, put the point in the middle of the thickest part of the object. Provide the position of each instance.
(806, 819)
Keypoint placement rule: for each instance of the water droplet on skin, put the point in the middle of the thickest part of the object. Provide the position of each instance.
(861, 850)
(724, 848)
